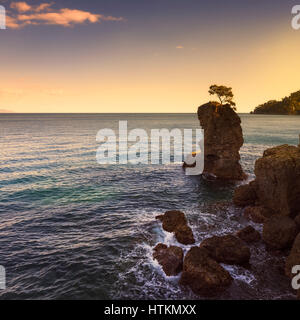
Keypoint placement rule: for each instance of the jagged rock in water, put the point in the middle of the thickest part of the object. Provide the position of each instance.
(170, 258)
(248, 235)
(279, 232)
(227, 249)
(203, 274)
(223, 138)
(175, 221)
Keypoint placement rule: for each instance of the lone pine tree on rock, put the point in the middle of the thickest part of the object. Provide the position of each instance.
(224, 94)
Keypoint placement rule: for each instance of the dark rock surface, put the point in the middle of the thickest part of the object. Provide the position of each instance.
(248, 235)
(258, 214)
(277, 183)
(245, 195)
(279, 232)
(202, 274)
(227, 249)
(170, 258)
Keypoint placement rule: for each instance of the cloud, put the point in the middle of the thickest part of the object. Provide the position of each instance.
(43, 6)
(43, 14)
(179, 47)
(20, 6)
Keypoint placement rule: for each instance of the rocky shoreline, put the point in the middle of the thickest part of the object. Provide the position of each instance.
(272, 199)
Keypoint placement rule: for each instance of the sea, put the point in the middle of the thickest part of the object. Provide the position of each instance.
(71, 228)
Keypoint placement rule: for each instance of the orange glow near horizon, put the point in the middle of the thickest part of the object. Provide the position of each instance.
(135, 75)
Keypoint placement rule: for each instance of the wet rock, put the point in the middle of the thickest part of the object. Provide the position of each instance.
(294, 258)
(184, 235)
(258, 214)
(170, 258)
(244, 195)
(175, 221)
(279, 232)
(172, 220)
(202, 274)
(223, 138)
(227, 249)
(248, 235)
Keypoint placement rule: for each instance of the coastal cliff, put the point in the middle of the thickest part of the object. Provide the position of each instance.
(277, 184)
(223, 138)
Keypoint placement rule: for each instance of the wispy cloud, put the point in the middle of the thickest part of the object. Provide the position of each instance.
(180, 47)
(43, 14)
(21, 6)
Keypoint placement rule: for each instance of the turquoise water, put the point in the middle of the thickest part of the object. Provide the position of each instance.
(71, 228)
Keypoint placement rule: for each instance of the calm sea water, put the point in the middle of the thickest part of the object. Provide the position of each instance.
(71, 228)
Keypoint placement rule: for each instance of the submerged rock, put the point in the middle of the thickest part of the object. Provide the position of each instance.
(175, 221)
(203, 274)
(279, 232)
(248, 235)
(227, 249)
(223, 138)
(170, 258)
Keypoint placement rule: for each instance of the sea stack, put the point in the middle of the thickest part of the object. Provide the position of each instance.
(223, 138)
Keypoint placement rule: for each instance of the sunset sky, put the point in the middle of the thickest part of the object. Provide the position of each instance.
(145, 55)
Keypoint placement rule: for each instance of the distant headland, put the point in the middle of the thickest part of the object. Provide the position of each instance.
(288, 106)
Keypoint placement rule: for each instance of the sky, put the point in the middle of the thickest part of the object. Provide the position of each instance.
(145, 56)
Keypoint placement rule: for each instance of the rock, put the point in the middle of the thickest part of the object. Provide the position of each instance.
(258, 214)
(279, 232)
(294, 258)
(227, 249)
(170, 258)
(248, 235)
(297, 221)
(175, 221)
(184, 235)
(172, 219)
(278, 180)
(202, 274)
(223, 138)
(244, 195)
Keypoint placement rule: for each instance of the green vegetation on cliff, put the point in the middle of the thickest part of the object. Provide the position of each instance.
(288, 105)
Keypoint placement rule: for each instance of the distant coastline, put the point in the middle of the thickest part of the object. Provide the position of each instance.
(287, 106)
